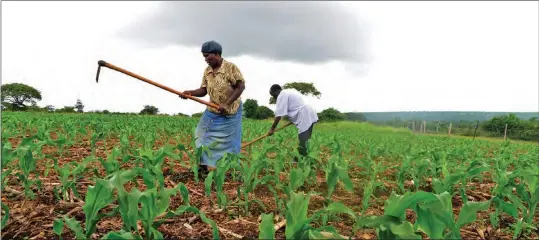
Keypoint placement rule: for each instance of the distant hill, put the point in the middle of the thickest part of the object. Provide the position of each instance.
(433, 116)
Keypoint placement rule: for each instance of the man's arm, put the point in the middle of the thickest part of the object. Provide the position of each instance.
(280, 111)
(275, 122)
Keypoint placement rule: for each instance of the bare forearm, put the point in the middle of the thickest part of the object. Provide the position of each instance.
(275, 122)
(201, 92)
(238, 90)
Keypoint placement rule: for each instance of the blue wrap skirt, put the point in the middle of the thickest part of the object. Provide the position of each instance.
(225, 130)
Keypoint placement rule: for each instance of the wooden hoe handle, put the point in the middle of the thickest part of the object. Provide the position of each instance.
(265, 135)
(102, 63)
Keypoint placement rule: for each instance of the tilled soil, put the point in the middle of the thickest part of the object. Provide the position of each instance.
(33, 219)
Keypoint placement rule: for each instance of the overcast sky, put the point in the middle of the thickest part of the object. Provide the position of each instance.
(362, 56)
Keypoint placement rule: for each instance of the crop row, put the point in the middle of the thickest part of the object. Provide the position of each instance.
(428, 174)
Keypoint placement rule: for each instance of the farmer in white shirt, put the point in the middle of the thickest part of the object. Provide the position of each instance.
(290, 103)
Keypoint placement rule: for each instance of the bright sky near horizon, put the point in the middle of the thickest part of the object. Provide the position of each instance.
(362, 56)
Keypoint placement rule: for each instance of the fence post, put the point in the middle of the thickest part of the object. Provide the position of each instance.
(475, 131)
(449, 130)
(505, 133)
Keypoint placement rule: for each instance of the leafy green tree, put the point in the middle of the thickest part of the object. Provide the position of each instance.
(302, 87)
(79, 106)
(149, 110)
(497, 124)
(331, 115)
(250, 108)
(18, 96)
(253, 111)
(264, 112)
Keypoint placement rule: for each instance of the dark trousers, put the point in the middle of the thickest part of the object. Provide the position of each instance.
(303, 138)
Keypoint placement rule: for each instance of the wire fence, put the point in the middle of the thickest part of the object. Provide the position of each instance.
(465, 129)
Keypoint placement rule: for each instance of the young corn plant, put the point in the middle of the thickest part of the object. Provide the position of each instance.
(460, 175)
(153, 204)
(218, 177)
(277, 166)
(27, 164)
(194, 157)
(7, 156)
(337, 169)
(371, 185)
(111, 164)
(298, 223)
(526, 199)
(62, 143)
(97, 197)
(474, 170)
(153, 162)
(529, 192)
(434, 216)
(128, 202)
(97, 135)
(251, 170)
(413, 167)
(68, 174)
(503, 189)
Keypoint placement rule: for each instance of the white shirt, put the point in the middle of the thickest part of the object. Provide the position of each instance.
(290, 103)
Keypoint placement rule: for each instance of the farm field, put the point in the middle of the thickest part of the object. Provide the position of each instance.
(133, 177)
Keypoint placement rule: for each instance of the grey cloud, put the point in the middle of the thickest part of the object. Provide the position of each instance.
(307, 32)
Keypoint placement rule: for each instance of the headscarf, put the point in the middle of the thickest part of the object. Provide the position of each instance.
(211, 47)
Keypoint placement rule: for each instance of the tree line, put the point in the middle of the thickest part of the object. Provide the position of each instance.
(21, 97)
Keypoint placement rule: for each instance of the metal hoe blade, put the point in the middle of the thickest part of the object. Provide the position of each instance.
(100, 63)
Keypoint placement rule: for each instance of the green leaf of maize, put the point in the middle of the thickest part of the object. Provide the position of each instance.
(74, 225)
(405, 231)
(97, 197)
(58, 226)
(121, 236)
(468, 213)
(266, 228)
(429, 223)
(5, 216)
(296, 214)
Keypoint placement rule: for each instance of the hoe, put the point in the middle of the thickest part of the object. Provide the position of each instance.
(102, 63)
